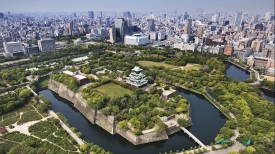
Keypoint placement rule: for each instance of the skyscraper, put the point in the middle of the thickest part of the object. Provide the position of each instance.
(133, 16)
(121, 29)
(98, 21)
(267, 16)
(70, 28)
(164, 16)
(151, 24)
(185, 16)
(187, 27)
(238, 19)
(112, 33)
(1, 15)
(127, 14)
(200, 31)
(101, 15)
(91, 14)
(74, 15)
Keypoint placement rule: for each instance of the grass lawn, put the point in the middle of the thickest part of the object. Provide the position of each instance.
(111, 89)
(151, 63)
(44, 83)
(192, 67)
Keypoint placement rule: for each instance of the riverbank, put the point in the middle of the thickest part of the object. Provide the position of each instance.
(107, 122)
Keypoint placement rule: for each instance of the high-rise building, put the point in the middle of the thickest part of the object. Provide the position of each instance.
(101, 15)
(28, 20)
(164, 16)
(187, 27)
(70, 28)
(133, 16)
(257, 45)
(185, 16)
(238, 19)
(221, 21)
(46, 44)
(121, 29)
(127, 14)
(267, 16)
(74, 15)
(176, 12)
(9, 13)
(200, 31)
(91, 14)
(1, 15)
(98, 21)
(112, 33)
(151, 24)
(107, 22)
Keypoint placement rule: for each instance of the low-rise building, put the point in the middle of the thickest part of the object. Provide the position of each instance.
(13, 49)
(136, 39)
(46, 44)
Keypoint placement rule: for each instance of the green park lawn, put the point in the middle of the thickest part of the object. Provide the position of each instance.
(151, 63)
(111, 89)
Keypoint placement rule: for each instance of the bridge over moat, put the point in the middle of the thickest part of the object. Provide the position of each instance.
(193, 137)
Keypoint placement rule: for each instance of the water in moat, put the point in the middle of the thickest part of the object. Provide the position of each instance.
(207, 121)
(240, 74)
(236, 72)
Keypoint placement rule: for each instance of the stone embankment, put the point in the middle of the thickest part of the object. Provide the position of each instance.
(106, 122)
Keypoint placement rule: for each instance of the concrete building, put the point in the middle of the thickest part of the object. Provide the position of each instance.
(153, 35)
(151, 25)
(31, 49)
(257, 45)
(13, 49)
(185, 46)
(46, 44)
(187, 27)
(121, 29)
(238, 19)
(136, 39)
(112, 34)
(91, 14)
(228, 50)
(200, 31)
(161, 35)
(70, 28)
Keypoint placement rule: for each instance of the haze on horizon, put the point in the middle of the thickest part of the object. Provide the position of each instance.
(256, 6)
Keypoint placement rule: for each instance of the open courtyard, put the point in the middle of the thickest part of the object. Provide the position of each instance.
(111, 89)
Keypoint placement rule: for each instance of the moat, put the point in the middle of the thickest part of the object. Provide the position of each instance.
(207, 121)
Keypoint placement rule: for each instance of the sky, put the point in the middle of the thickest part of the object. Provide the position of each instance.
(256, 6)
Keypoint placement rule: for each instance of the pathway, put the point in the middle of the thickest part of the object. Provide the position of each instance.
(193, 137)
(65, 127)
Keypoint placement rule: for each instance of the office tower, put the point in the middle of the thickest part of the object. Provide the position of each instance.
(70, 28)
(107, 22)
(74, 14)
(267, 16)
(2, 21)
(121, 29)
(31, 49)
(98, 21)
(9, 13)
(151, 24)
(101, 15)
(1, 15)
(272, 17)
(91, 14)
(221, 21)
(238, 19)
(176, 12)
(112, 33)
(257, 45)
(28, 20)
(197, 10)
(127, 14)
(185, 16)
(187, 27)
(133, 16)
(46, 44)
(200, 31)
(164, 16)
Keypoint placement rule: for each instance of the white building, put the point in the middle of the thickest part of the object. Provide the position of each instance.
(13, 49)
(47, 44)
(186, 46)
(161, 35)
(153, 36)
(136, 39)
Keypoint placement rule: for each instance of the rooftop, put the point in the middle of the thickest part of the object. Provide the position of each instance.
(137, 69)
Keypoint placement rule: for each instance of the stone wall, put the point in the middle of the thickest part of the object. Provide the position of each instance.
(172, 130)
(106, 122)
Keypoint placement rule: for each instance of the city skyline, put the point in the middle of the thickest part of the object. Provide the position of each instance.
(142, 5)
